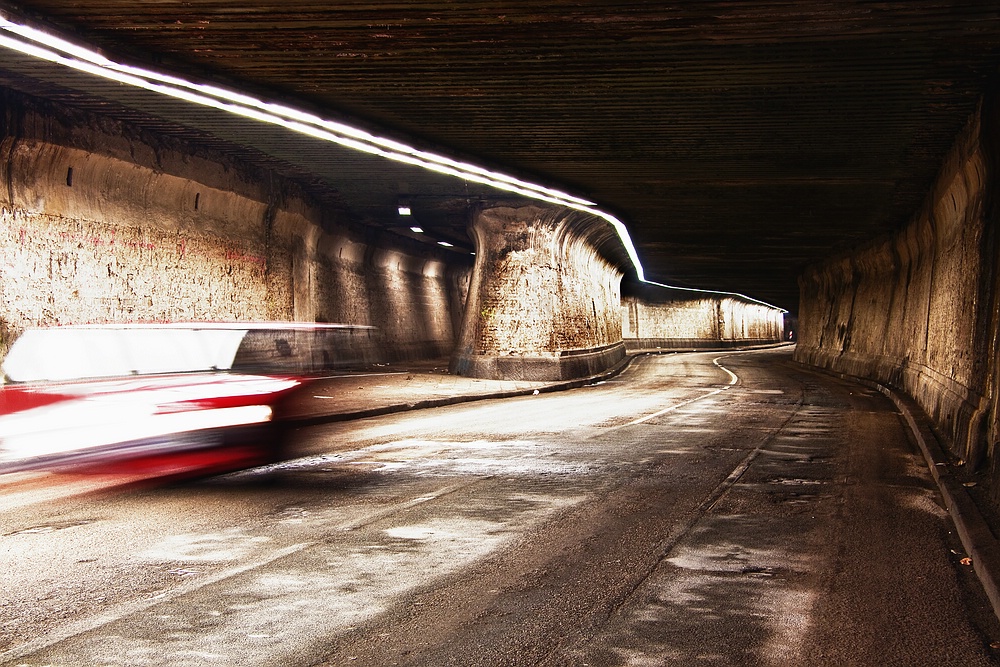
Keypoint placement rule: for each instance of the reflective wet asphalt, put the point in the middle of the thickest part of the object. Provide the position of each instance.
(710, 508)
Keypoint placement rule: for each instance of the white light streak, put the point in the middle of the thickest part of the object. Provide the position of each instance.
(735, 295)
(34, 435)
(53, 49)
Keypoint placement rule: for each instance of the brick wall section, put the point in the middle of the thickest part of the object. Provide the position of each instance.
(676, 319)
(100, 224)
(539, 295)
(746, 321)
(658, 320)
(917, 311)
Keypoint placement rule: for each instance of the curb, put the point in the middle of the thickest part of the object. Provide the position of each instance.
(976, 536)
(561, 385)
(464, 398)
(977, 539)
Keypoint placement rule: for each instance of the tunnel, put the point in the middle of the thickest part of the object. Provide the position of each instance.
(521, 193)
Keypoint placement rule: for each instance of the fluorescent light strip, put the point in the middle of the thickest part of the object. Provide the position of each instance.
(718, 292)
(107, 68)
(382, 148)
(91, 62)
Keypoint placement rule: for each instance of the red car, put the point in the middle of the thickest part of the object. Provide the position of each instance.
(165, 399)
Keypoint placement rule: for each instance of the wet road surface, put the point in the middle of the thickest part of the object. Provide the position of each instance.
(711, 509)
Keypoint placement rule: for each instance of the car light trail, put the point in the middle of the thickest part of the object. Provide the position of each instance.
(47, 47)
(21, 445)
(736, 295)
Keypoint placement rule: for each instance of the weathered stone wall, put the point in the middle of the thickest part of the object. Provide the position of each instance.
(543, 303)
(917, 311)
(656, 324)
(745, 321)
(658, 318)
(100, 224)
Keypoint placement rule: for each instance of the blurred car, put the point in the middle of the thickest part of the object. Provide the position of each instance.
(162, 399)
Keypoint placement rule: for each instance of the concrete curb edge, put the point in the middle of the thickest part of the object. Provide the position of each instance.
(561, 385)
(465, 398)
(976, 536)
(977, 539)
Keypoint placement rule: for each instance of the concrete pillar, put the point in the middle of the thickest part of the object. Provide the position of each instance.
(543, 303)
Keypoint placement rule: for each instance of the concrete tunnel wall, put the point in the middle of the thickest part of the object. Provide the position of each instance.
(543, 303)
(662, 318)
(918, 311)
(101, 224)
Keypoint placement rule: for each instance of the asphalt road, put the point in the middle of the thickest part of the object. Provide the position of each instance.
(709, 509)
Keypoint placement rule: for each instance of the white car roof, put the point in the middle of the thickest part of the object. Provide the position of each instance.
(117, 350)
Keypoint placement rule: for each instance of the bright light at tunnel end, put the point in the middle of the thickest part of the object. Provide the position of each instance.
(36, 43)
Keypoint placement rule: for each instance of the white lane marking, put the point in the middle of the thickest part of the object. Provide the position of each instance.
(733, 379)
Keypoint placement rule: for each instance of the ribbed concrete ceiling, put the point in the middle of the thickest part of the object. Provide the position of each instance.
(737, 140)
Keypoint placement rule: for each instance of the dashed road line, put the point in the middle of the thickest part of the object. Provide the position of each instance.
(733, 379)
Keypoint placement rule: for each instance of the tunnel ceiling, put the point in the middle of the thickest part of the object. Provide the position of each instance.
(738, 141)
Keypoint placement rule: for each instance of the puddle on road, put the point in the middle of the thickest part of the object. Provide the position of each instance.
(796, 481)
(427, 531)
(227, 545)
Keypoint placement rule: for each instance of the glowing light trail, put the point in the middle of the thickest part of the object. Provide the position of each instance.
(38, 44)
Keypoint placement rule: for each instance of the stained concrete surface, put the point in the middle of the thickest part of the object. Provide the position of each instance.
(664, 516)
